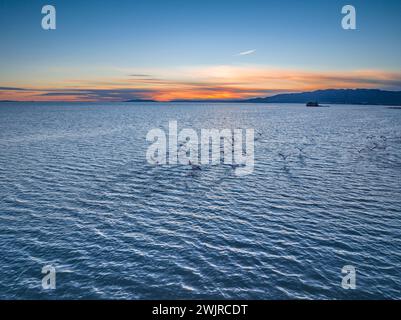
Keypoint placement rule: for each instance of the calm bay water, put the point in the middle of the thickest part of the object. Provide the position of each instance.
(76, 192)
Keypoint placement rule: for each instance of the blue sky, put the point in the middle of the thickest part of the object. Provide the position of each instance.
(100, 42)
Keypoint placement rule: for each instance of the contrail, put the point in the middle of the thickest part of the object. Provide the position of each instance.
(245, 53)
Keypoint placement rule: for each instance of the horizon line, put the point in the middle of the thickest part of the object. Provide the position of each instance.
(214, 100)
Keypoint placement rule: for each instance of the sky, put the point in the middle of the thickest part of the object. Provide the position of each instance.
(195, 49)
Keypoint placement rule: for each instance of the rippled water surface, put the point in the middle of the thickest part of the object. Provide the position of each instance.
(76, 192)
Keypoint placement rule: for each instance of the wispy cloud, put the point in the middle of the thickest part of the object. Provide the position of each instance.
(140, 75)
(245, 53)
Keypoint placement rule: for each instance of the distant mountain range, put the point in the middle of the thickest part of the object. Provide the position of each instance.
(141, 100)
(329, 96)
(337, 96)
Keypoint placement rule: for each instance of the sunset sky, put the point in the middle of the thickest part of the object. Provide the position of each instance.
(193, 49)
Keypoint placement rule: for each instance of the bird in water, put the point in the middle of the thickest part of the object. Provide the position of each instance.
(258, 136)
(194, 166)
(283, 156)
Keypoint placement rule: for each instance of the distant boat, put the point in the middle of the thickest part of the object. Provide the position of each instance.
(315, 105)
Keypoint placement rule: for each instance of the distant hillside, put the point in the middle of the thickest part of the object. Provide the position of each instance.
(340, 96)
